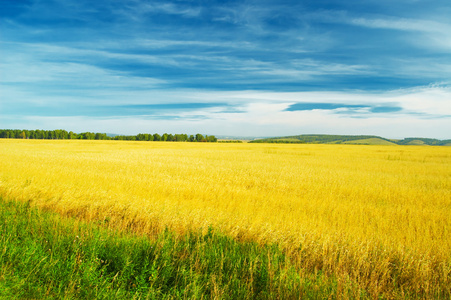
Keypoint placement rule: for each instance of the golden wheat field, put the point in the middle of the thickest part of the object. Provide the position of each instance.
(377, 215)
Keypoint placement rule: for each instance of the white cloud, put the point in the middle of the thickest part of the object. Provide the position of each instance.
(426, 112)
(280, 124)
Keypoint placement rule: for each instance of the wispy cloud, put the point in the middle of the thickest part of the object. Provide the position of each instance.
(438, 34)
(401, 24)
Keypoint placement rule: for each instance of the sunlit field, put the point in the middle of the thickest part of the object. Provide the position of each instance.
(379, 216)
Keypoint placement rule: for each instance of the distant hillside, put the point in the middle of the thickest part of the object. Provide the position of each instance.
(351, 139)
(424, 141)
(371, 141)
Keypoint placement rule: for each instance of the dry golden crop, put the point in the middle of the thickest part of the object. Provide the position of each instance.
(378, 215)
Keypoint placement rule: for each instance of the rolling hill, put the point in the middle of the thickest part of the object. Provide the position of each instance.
(351, 139)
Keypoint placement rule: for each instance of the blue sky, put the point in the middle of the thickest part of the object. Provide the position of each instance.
(242, 68)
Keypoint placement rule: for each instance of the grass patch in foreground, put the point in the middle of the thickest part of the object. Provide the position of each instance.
(45, 256)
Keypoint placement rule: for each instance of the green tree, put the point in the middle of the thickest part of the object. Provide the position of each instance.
(140, 137)
(211, 139)
(199, 137)
(181, 137)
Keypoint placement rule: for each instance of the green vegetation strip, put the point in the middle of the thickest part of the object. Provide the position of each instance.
(46, 256)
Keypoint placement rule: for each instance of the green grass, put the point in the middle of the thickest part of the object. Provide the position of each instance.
(45, 256)
(416, 142)
(370, 141)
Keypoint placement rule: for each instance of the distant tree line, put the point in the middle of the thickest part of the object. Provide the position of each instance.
(230, 141)
(167, 137)
(61, 134)
(58, 134)
(278, 141)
